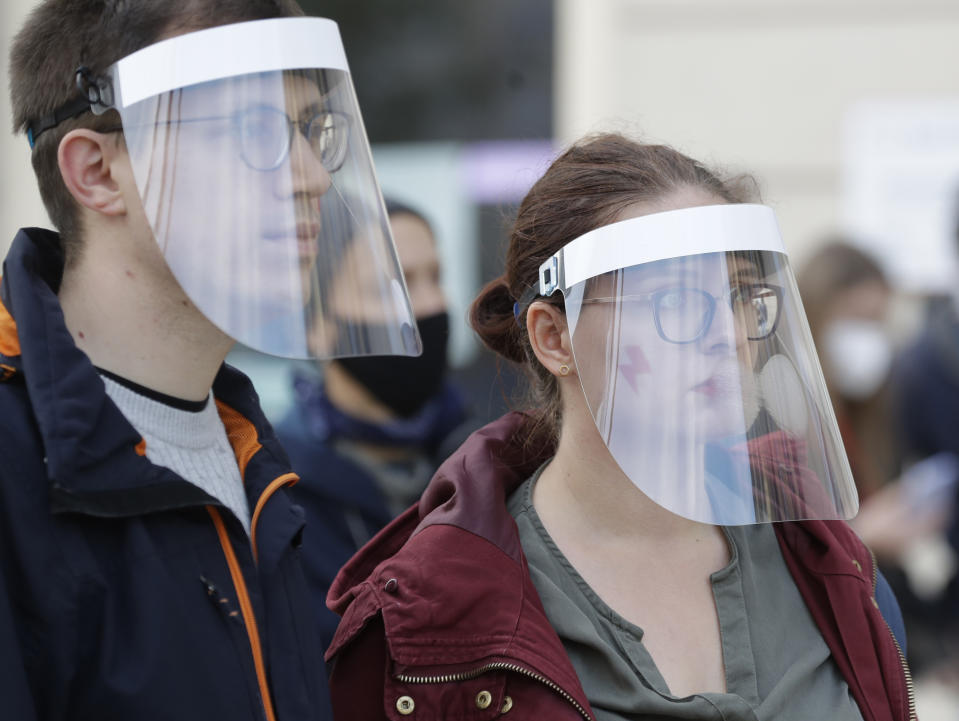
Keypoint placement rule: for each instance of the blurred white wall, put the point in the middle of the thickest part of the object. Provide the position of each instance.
(20, 203)
(755, 85)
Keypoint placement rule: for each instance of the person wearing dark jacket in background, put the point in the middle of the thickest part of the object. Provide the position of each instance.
(149, 562)
(366, 434)
(925, 383)
(639, 545)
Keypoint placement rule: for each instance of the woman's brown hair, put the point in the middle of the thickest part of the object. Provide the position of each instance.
(586, 187)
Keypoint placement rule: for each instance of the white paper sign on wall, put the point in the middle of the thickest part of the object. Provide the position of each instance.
(900, 187)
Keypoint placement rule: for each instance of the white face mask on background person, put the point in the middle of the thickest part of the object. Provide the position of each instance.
(859, 356)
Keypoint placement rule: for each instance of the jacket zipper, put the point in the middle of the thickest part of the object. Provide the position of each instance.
(239, 584)
(467, 675)
(902, 657)
(246, 610)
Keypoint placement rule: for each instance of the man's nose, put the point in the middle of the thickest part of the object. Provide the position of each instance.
(309, 175)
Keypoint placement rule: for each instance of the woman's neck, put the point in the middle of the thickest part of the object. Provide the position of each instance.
(584, 489)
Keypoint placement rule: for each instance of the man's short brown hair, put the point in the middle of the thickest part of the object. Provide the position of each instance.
(61, 35)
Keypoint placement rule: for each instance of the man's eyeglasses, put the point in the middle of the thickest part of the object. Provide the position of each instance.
(265, 135)
(684, 315)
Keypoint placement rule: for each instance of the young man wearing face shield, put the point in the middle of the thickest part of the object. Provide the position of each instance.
(193, 157)
(367, 433)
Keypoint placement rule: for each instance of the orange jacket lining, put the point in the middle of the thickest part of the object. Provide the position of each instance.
(9, 340)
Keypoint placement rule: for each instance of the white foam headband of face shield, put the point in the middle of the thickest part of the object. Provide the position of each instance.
(257, 46)
(659, 236)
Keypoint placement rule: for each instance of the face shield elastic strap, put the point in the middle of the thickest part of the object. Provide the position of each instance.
(95, 94)
(523, 303)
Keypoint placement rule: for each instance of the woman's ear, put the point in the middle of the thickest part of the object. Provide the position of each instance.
(549, 337)
(87, 164)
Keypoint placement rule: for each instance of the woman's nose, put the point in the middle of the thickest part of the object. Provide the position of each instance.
(725, 333)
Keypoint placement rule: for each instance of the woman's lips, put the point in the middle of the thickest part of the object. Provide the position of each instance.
(709, 387)
(721, 383)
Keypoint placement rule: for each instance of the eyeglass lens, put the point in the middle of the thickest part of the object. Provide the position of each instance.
(266, 135)
(684, 314)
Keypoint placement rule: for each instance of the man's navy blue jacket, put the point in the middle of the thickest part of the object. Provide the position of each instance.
(344, 508)
(125, 591)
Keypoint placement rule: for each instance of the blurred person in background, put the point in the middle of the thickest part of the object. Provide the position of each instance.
(847, 297)
(365, 434)
(925, 386)
(927, 381)
(637, 544)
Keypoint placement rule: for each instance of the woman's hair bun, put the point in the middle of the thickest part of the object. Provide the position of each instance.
(491, 316)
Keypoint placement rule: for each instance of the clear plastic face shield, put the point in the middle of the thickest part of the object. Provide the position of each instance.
(698, 366)
(254, 171)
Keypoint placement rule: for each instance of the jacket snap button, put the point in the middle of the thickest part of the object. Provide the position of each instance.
(484, 699)
(857, 565)
(405, 705)
(391, 587)
(507, 704)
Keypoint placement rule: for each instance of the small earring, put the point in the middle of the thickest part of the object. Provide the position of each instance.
(564, 370)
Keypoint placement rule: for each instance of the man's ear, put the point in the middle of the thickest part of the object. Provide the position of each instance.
(549, 337)
(86, 159)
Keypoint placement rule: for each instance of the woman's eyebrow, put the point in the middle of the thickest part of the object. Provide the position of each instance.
(314, 108)
(750, 273)
(657, 275)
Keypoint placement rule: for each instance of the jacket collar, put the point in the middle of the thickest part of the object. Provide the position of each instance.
(95, 459)
(467, 609)
(468, 491)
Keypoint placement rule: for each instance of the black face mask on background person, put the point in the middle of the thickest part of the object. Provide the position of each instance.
(404, 384)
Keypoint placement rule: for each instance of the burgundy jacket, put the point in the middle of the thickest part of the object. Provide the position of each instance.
(441, 619)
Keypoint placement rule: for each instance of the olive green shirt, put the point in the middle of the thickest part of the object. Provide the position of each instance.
(777, 665)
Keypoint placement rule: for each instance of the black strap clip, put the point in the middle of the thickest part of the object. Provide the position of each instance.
(97, 90)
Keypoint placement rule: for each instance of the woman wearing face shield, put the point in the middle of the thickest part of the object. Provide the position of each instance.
(661, 535)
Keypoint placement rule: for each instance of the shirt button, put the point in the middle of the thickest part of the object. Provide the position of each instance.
(484, 699)
(405, 705)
